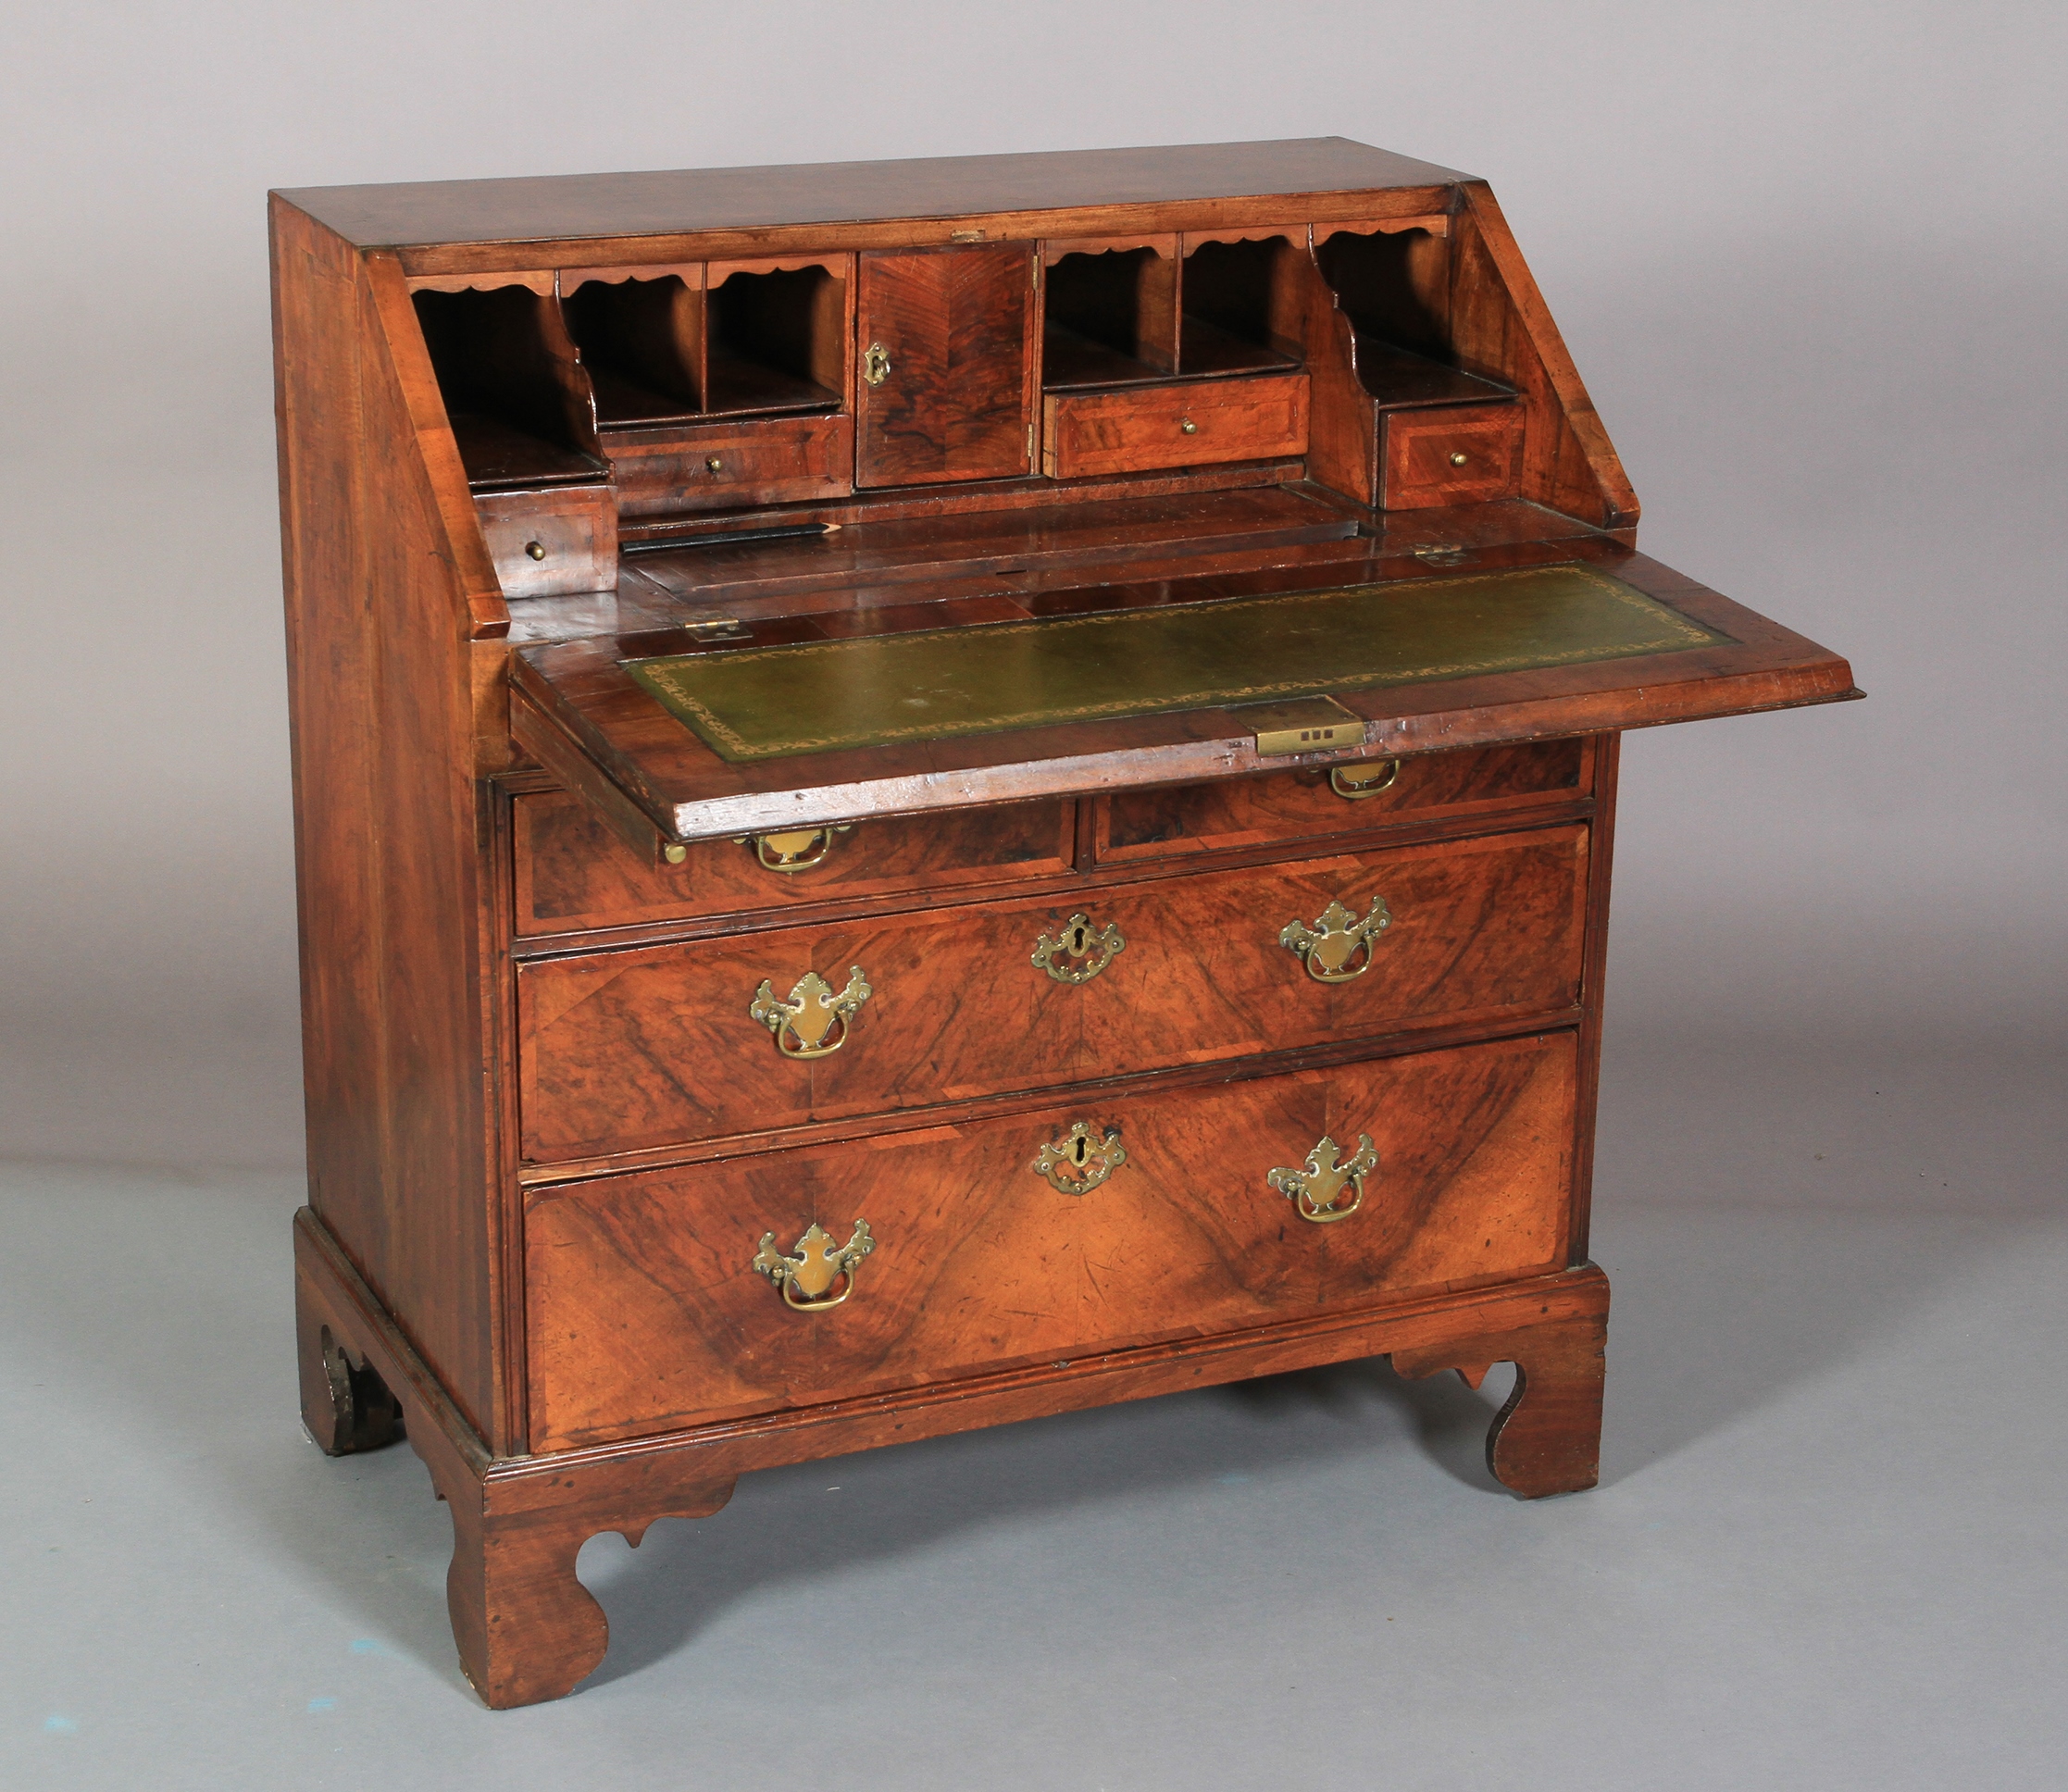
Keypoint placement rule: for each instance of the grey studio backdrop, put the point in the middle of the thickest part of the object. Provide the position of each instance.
(1811, 263)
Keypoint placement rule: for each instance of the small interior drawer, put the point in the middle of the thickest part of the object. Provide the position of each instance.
(552, 542)
(1233, 813)
(1194, 423)
(1461, 455)
(573, 873)
(720, 467)
(644, 1309)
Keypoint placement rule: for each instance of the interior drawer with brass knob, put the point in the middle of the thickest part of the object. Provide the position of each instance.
(719, 467)
(1196, 423)
(1455, 454)
(552, 542)
(1352, 798)
(704, 1292)
(665, 1045)
(572, 873)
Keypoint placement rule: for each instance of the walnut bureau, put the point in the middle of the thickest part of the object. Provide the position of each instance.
(937, 792)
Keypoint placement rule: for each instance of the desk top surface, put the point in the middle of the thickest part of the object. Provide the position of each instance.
(543, 207)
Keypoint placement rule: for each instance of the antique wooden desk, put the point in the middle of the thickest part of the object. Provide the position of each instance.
(938, 792)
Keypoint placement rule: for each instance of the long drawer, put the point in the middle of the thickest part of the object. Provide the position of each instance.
(628, 1051)
(645, 1311)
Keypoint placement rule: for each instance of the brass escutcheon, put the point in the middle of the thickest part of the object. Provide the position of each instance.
(1081, 953)
(1318, 1190)
(1077, 1163)
(813, 1022)
(1365, 778)
(807, 1279)
(875, 365)
(1330, 949)
(798, 850)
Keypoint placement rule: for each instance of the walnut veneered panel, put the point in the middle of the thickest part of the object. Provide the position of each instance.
(1307, 805)
(1466, 453)
(572, 872)
(643, 1312)
(951, 332)
(636, 1050)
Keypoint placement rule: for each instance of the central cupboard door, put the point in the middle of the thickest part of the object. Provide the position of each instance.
(948, 388)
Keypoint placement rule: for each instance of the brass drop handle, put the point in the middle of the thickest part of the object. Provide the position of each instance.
(1364, 779)
(798, 850)
(875, 365)
(1338, 946)
(537, 550)
(715, 464)
(1316, 1188)
(1460, 458)
(1186, 427)
(813, 1021)
(1082, 950)
(807, 1279)
(1077, 1163)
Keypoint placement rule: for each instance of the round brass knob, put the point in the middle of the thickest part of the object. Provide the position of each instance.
(537, 550)
(675, 851)
(1460, 458)
(1188, 426)
(717, 463)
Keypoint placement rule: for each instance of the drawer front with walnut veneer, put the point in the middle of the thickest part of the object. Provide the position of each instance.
(718, 467)
(1197, 424)
(1467, 455)
(632, 1050)
(573, 873)
(1186, 1212)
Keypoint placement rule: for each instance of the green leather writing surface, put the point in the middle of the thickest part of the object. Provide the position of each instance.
(753, 704)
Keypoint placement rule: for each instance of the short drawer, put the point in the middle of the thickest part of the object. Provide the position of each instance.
(640, 1049)
(553, 543)
(645, 1312)
(1350, 799)
(1461, 455)
(573, 873)
(1259, 417)
(720, 467)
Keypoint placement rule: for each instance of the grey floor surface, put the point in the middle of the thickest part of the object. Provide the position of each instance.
(1828, 1548)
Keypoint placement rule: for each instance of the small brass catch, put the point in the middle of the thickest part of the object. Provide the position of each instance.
(1318, 1190)
(1363, 779)
(1077, 1163)
(1083, 952)
(807, 1279)
(1338, 946)
(875, 365)
(813, 1023)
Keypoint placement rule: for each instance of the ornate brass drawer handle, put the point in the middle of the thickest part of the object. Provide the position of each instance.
(798, 850)
(1318, 1190)
(1077, 1163)
(808, 1278)
(1364, 779)
(1081, 953)
(1338, 946)
(813, 1022)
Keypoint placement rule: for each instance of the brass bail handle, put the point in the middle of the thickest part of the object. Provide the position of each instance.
(1364, 779)
(1316, 1188)
(799, 849)
(812, 1021)
(1077, 1163)
(875, 365)
(818, 1265)
(1337, 945)
(1081, 951)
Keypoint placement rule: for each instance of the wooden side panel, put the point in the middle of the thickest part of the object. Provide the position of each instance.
(629, 1050)
(1240, 812)
(957, 401)
(644, 1312)
(380, 564)
(572, 872)
(1500, 326)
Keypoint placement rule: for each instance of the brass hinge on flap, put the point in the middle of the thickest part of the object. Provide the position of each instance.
(1304, 724)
